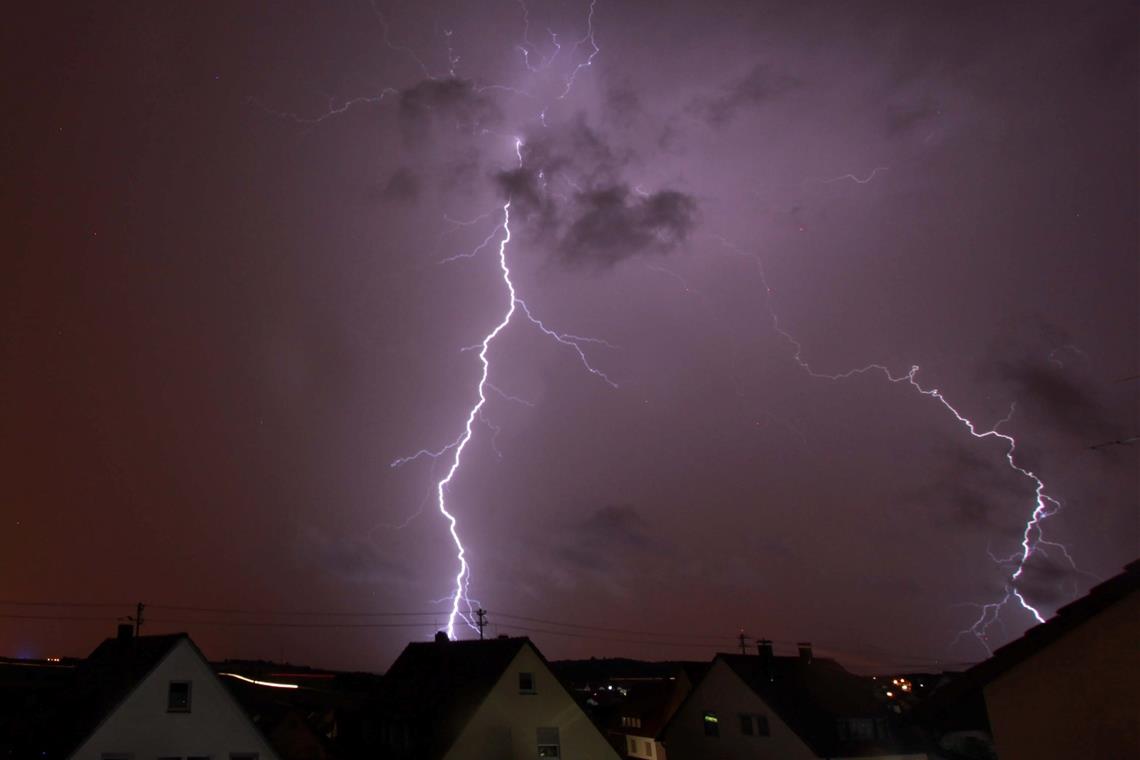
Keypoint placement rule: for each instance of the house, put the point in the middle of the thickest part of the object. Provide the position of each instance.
(141, 698)
(1068, 687)
(636, 722)
(764, 706)
(481, 699)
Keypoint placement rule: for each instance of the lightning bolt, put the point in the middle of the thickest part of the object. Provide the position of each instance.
(461, 605)
(1044, 505)
(857, 180)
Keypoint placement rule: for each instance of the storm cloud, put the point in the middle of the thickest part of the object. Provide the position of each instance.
(570, 190)
(610, 226)
(453, 104)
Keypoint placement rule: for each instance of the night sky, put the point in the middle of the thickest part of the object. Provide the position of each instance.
(223, 314)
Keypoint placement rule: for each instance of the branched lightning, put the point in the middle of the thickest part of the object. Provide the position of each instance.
(461, 605)
(588, 37)
(1044, 505)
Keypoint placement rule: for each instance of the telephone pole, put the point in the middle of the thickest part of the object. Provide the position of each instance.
(138, 617)
(482, 620)
(743, 642)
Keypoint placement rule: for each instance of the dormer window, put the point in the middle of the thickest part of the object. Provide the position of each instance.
(178, 697)
(526, 683)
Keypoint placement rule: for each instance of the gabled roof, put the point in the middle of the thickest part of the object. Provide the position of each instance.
(959, 703)
(1069, 617)
(811, 696)
(97, 686)
(435, 687)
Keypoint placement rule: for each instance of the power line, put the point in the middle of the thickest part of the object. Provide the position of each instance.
(13, 603)
(578, 630)
(284, 624)
(6, 616)
(688, 645)
(564, 624)
(287, 613)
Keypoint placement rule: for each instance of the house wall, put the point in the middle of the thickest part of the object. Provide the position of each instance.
(505, 725)
(643, 747)
(1077, 697)
(142, 728)
(721, 691)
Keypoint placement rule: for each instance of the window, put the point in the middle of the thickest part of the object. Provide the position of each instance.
(243, 756)
(628, 722)
(178, 697)
(526, 684)
(754, 725)
(548, 745)
(712, 725)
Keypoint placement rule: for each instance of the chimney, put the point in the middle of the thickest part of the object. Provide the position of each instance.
(126, 631)
(441, 637)
(805, 652)
(764, 649)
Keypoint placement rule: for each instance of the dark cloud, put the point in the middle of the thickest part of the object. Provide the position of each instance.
(570, 192)
(609, 226)
(977, 490)
(402, 187)
(1061, 398)
(1048, 578)
(605, 538)
(903, 119)
(621, 106)
(558, 162)
(575, 151)
(757, 87)
(454, 103)
(353, 558)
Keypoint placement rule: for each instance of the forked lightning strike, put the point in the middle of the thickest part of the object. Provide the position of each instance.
(462, 607)
(1032, 538)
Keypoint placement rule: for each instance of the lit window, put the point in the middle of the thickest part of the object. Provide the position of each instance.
(712, 726)
(243, 756)
(526, 683)
(178, 697)
(548, 744)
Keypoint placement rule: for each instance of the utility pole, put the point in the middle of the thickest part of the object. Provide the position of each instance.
(138, 617)
(482, 620)
(743, 642)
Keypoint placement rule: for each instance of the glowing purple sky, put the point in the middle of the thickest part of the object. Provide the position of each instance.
(226, 314)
